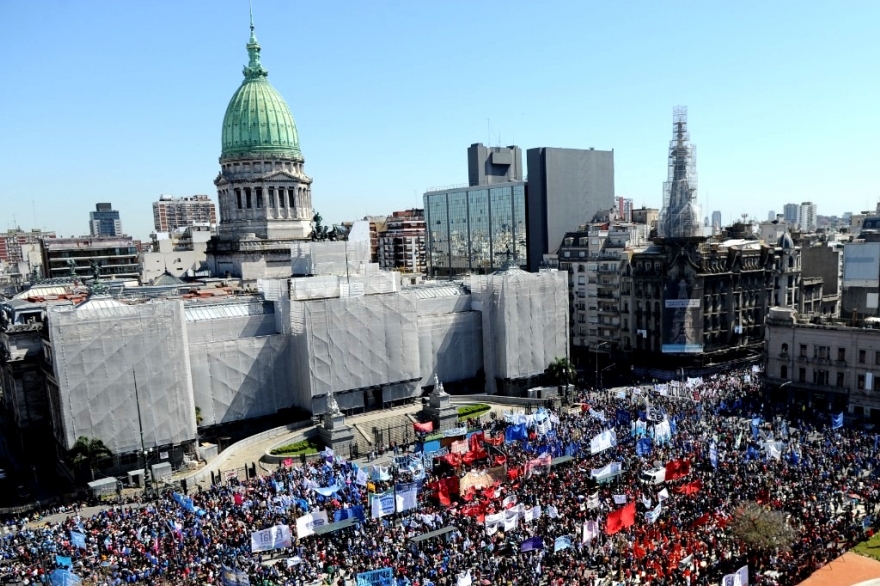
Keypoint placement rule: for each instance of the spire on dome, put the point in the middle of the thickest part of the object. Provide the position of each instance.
(254, 68)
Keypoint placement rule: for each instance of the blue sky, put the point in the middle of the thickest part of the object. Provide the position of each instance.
(122, 101)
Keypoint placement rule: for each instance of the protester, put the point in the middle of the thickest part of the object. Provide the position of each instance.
(522, 522)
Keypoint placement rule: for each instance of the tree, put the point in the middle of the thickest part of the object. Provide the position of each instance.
(88, 452)
(761, 528)
(199, 416)
(561, 372)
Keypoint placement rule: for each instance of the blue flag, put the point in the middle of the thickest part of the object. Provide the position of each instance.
(713, 455)
(643, 447)
(532, 543)
(63, 561)
(837, 421)
(515, 432)
(623, 417)
(350, 513)
(78, 539)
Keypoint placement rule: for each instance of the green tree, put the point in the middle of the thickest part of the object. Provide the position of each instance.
(199, 416)
(761, 528)
(87, 452)
(561, 372)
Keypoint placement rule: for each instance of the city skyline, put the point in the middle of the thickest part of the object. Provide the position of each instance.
(130, 100)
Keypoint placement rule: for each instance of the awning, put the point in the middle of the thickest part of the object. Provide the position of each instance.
(432, 534)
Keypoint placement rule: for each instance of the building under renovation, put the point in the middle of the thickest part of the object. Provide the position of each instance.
(680, 216)
(114, 367)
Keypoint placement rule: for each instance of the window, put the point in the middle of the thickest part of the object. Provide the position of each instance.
(861, 381)
(803, 350)
(841, 354)
(784, 350)
(802, 375)
(877, 357)
(821, 352)
(840, 377)
(783, 371)
(861, 356)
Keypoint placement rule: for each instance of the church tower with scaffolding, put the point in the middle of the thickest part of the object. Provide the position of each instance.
(680, 216)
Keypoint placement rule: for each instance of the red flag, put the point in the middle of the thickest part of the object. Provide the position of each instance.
(287, 463)
(512, 473)
(500, 460)
(476, 441)
(238, 498)
(621, 519)
(690, 487)
(701, 520)
(471, 457)
(453, 460)
(494, 441)
(425, 427)
(677, 469)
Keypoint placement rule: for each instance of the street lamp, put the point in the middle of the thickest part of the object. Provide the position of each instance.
(599, 345)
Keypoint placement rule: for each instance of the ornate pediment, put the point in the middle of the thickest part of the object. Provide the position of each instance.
(281, 176)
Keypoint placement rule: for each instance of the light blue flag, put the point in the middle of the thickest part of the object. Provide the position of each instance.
(561, 543)
(837, 421)
(78, 539)
(713, 455)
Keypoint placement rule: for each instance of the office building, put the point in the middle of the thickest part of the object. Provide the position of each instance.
(104, 221)
(791, 212)
(771, 215)
(566, 189)
(12, 240)
(716, 220)
(113, 258)
(402, 243)
(624, 209)
(171, 213)
(807, 217)
(476, 230)
(491, 165)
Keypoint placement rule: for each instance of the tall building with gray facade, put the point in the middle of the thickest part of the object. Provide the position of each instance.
(566, 188)
(488, 165)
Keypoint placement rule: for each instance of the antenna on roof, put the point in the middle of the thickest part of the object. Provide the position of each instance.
(251, 7)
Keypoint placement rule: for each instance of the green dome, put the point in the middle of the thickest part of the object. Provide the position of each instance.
(258, 121)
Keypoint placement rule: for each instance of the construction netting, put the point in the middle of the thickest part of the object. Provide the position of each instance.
(352, 343)
(240, 365)
(525, 321)
(450, 334)
(330, 258)
(112, 360)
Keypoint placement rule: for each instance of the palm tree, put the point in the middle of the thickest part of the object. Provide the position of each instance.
(561, 372)
(88, 452)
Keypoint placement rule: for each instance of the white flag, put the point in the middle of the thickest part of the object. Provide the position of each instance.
(591, 531)
(593, 501)
(619, 499)
(646, 500)
(464, 579)
(662, 495)
(552, 512)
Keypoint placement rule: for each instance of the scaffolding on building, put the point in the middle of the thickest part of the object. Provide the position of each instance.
(680, 216)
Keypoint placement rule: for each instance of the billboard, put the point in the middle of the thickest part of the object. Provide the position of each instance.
(861, 264)
(682, 315)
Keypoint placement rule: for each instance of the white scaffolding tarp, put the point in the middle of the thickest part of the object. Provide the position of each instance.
(525, 322)
(352, 343)
(99, 351)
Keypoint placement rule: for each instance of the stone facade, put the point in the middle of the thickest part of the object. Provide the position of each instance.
(822, 364)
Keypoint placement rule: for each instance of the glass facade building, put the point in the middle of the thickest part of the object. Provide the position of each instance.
(475, 230)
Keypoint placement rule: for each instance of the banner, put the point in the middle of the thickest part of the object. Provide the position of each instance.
(619, 499)
(532, 543)
(459, 447)
(382, 504)
(532, 514)
(406, 496)
(455, 431)
(381, 473)
(654, 514)
(381, 577)
(277, 537)
(64, 578)
(538, 466)
(739, 578)
(682, 315)
(603, 441)
(306, 524)
(516, 432)
(326, 491)
(607, 470)
(713, 455)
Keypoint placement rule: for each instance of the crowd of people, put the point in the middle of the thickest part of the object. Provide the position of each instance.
(729, 447)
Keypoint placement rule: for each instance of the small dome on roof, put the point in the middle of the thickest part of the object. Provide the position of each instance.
(785, 242)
